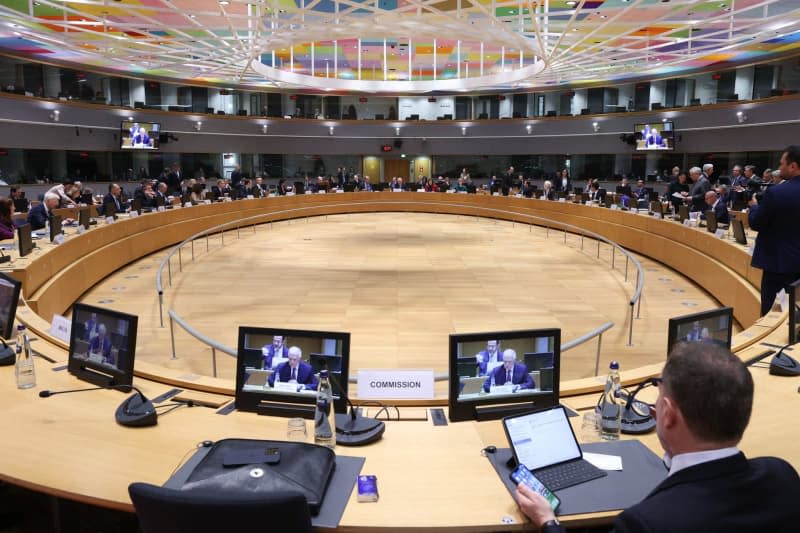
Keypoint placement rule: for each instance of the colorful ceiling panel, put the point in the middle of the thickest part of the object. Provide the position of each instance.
(492, 44)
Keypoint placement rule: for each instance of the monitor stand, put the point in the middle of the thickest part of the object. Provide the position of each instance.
(7, 354)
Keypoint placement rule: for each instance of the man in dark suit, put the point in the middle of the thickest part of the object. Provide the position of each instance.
(100, 345)
(776, 219)
(41, 213)
(174, 179)
(491, 354)
(510, 373)
(563, 182)
(114, 196)
(703, 407)
(295, 371)
(507, 181)
(596, 194)
(697, 192)
(236, 176)
(269, 351)
(715, 204)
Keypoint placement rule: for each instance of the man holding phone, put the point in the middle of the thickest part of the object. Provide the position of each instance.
(703, 407)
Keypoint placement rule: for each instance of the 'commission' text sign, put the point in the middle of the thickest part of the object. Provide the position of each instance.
(395, 384)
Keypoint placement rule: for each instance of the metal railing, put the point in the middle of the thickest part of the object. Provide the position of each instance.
(532, 220)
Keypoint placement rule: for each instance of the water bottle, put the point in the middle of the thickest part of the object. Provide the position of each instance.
(23, 368)
(324, 415)
(611, 406)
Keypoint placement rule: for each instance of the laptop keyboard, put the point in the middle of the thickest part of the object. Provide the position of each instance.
(568, 474)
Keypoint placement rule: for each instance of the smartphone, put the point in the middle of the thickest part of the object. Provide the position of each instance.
(522, 475)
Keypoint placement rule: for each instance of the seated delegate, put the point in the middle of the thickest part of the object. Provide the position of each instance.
(509, 373)
(274, 352)
(711, 485)
(294, 371)
(100, 346)
(491, 354)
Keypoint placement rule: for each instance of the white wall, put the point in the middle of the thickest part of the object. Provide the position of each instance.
(658, 91)
(506, 107)
(373, 106)
(706, 89)
(580, 101)
(625, 94)
(743, 86)
(416, 105)
(137, 90)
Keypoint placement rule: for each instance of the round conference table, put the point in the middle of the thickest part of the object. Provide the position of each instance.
(430, 477)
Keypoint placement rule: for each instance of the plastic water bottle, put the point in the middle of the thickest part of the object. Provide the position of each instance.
(23, 368)
(324, 415)
(611, 406)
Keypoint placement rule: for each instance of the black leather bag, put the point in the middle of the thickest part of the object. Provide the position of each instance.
(286, 466)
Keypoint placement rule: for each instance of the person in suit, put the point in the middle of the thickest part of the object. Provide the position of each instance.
(715, 204)
(699, 188)
(491, 354)
(510, 372)
(563, 181)
(596, 194)
(221, 189)
(90, 328)
(696, 333)
(114, 196)
(776, 219)
(40, 214)
(295, 371)
(101, 345)
(175, 178)
(705, 398)
(679, 187)
(268, 351)
(548, 193)
(236, 176)
(507, 181)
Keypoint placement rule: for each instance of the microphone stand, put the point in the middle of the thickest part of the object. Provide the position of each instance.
(135, 411)
(353, 429)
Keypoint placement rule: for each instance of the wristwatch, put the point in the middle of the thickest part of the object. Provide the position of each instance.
(550, 523)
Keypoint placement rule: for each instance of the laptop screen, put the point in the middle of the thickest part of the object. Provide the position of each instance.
(542, 438)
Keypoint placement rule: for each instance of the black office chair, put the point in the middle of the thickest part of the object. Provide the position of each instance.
(162, 510)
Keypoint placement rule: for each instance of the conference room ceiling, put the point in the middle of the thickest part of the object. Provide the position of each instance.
(399, 46)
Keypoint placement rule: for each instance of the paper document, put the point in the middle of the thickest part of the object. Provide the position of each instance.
(603, 461)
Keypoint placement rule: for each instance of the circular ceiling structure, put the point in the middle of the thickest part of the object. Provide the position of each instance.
(399, 46)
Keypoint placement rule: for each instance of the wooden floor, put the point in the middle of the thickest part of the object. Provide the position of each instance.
(400, 283)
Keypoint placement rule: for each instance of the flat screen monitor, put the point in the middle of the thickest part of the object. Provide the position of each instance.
(738, 231)
(479, 369)
(102, 345)
(55, 227)
(84, 218)
(714, 326)
(9, 297)
(267, 380)
(139, 135)
(21, 205)
(794, 312)
(658, 136)
(25, 240)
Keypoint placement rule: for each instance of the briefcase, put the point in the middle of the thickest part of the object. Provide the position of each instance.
(262, 466)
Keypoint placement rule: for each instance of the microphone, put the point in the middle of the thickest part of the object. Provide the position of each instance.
(3, 257)
(135, 411)
(783, 364)
(635, 418)
(353, 429)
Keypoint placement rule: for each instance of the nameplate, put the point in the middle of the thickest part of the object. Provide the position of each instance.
(161, 208)
(495, 194)
(562, 200)
(187, 204)
(290, 193)
(450, 191)
(395, 384)
(721, 233)
(309, 192)
(750, 250)
(58, 239)
(657, 215)
(133, 214)
(687, 222)
(250, 196)
(60, 328)
(109, 220)
(81, 229)
(207, 202)
(323, 191)
(339, 190)
(285, 387)
(614, 207)
(227, 199)
(517, 195)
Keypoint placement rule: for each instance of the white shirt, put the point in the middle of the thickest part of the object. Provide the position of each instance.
(685, 460)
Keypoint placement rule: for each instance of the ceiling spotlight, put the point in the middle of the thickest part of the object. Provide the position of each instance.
(397, 131)
(330, 130)
(529, 129)
(55, 115)
(264, 128)
(463, 130)
(596, 126)
(571, 3)
(198, 126)
(741, 117)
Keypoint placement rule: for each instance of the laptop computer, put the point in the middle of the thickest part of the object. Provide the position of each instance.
(544, 442)
(472, 385)
(257, 378)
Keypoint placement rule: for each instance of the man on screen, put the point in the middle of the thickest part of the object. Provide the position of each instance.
(490, 355)
(704, 403)
(510, 373)
(100, 346)
(90, 328)
(277, 349)
(295, 371)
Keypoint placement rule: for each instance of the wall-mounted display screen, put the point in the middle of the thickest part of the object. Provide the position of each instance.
(654, 137)
(139, 135)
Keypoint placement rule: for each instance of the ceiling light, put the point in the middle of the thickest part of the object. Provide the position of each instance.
(223, 2)
(571, 3)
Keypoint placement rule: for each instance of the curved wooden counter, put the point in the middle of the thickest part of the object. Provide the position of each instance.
(69, 445)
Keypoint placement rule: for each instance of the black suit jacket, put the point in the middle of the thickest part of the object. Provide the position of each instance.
(776, 220)
(38, 216)
(728, 495)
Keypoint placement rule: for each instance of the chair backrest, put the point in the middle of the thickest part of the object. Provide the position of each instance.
(163, 510)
